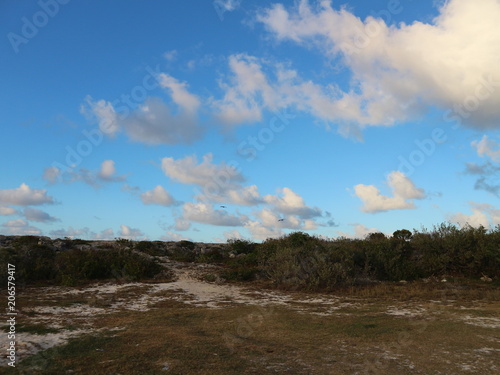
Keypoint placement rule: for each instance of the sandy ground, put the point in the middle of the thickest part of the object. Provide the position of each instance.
(188, 288)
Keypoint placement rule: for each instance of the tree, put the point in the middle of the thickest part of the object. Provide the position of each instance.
(402, 234)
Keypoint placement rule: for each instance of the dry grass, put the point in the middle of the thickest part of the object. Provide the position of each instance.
(361, 338)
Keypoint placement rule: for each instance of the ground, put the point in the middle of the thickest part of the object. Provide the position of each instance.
(199, 324)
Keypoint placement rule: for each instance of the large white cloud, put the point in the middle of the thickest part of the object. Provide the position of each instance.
(159, 196)
(25, 196)
(400, 71)
(403, 189)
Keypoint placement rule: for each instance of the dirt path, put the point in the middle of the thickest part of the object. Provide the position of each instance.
(56, 308)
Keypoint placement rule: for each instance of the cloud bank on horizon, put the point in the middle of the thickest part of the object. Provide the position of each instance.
(292, 121)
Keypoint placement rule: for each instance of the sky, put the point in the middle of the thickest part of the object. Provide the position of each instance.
(210, 120)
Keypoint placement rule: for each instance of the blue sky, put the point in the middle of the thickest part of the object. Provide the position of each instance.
(210, 120)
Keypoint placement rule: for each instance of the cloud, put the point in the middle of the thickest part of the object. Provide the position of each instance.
(360, 231)
(103, 113)
(106, 234)
(170, 55)
(403, 189)
(400, 71)
(291, 203)
(258, 231)
(25, 196)
(488, 179)
(108, 172)
(205, 174)
(483, 214)
(488, 147)
(152, 122)
(71, 233)
(179, 93)
(172, 236)
(271, 220)
(34, 214)
(20, 227)
(51, 175)
(5, 211)
(206, 214)
(181, 224)
(228, 5)
(158, 196)
(235, 194)
(129, 233)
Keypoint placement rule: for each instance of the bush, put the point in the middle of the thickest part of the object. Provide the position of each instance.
(40, 263)
(241, 246)
(150, 248)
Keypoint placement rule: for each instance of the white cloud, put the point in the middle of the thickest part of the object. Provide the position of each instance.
(360, 231)
(103, 113)
(488, 147)
(172, 236)
(20, 227)
(482, 214)
(170, 55)
(158, 196)
(179, 93)
(24, 196)
(271, 220)
(403, 189)
(260, 232)
(206, 214)
(228, 5)
(152, 122)
(205, 174)
(130, 233)
(400, 71)
(292, 203)
(108, 172)
(106, 234)
(72, 233)
(232, 235)
(181, 224)
(34, 214)
(235, 194)
(5, 211)
(51, 174)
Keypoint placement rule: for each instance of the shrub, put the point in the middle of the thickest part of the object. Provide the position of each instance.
(241, 246)
(150, 248)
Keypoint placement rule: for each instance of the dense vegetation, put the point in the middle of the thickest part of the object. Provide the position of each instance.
(295, 261)
(301, 261)
(41, 263)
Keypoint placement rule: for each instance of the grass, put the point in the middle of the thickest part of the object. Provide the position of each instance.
(244, 339)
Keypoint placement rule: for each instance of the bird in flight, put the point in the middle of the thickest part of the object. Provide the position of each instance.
(222, 206)
(281, 219)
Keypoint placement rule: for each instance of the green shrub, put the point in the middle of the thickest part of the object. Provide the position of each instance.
(241, 246)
